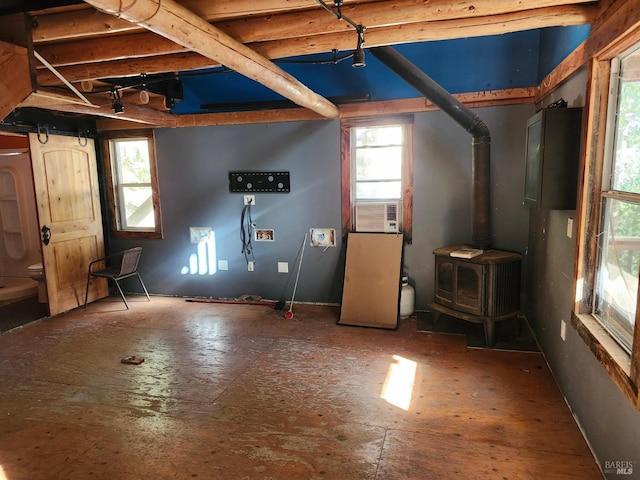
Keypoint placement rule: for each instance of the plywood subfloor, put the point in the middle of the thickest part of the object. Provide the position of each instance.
(239, 392)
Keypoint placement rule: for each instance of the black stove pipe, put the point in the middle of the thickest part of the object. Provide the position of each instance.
(481, 143)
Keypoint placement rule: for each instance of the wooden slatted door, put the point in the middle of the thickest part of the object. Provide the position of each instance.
(67, 194)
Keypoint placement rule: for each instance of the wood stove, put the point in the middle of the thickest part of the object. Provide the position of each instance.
(483, 289)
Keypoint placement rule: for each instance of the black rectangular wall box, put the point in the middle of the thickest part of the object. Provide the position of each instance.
(259, 182)
(552, 158)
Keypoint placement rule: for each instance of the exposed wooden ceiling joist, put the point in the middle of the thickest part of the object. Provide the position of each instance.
(272, 19)
(182, 26)
(71, 104)
(129, 68)
(72, 24)
(84, 43)
(327, 33)
(104, 56)
(15, 84)
(512, 96)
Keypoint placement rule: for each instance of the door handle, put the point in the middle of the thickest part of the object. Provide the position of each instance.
(46, 235)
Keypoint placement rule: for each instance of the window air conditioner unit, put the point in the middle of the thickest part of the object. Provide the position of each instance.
(377, 217)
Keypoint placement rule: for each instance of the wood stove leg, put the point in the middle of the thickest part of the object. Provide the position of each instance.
(489, 332)
(518, 326)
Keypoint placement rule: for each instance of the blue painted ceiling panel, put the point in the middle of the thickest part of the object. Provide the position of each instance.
(463, 65)
(556, 43)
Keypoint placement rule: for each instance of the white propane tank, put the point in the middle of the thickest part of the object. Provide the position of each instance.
(407, 299)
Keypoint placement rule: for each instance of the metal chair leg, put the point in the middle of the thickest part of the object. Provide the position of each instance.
(143, 287)
(86, 292)
(121, 294)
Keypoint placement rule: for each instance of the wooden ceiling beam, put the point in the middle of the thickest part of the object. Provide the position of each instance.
(275, 14)
(106, 49)
(385, 13)
(290, 26)
(133, 97)
(619, 21)
(344, 41)
(513, 96)
(66, 103)
(483, 26)
(89, 22)
(182, 26)
(128, 68)
(58, 26)
(15, 83)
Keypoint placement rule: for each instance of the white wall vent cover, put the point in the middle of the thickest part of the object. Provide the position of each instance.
(377, 217)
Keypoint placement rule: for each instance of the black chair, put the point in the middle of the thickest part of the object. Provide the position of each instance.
(125, 265)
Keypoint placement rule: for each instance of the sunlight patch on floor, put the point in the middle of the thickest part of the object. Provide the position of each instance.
(398, 386)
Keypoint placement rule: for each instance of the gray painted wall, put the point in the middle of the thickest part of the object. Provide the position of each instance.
(442, 188)
(610, 424)
(193, 164)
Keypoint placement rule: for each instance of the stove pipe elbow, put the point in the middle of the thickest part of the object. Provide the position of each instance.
(481, 143)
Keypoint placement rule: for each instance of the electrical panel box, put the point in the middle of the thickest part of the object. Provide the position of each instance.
(552, 157)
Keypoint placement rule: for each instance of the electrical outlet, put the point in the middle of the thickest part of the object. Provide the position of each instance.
(283, 267)
(223, 265)
(250, 266)
(569, 227)
(249, 199)
(563, 330)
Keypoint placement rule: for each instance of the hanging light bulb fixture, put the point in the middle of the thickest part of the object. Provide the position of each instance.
(116, 103)
(358, 53)
(144, 94)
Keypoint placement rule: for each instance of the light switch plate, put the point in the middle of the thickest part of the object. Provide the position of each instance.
(223, 265)
(283, 267)
(569, 227)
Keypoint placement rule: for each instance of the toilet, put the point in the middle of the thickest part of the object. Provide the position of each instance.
(36, 272)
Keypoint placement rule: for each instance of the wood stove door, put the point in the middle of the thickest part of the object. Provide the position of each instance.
(469, 287)
(444, 281)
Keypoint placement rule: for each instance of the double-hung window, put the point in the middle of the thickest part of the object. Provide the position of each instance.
(133, 193)
(616, 292)
(607, 313)
(377, 175)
